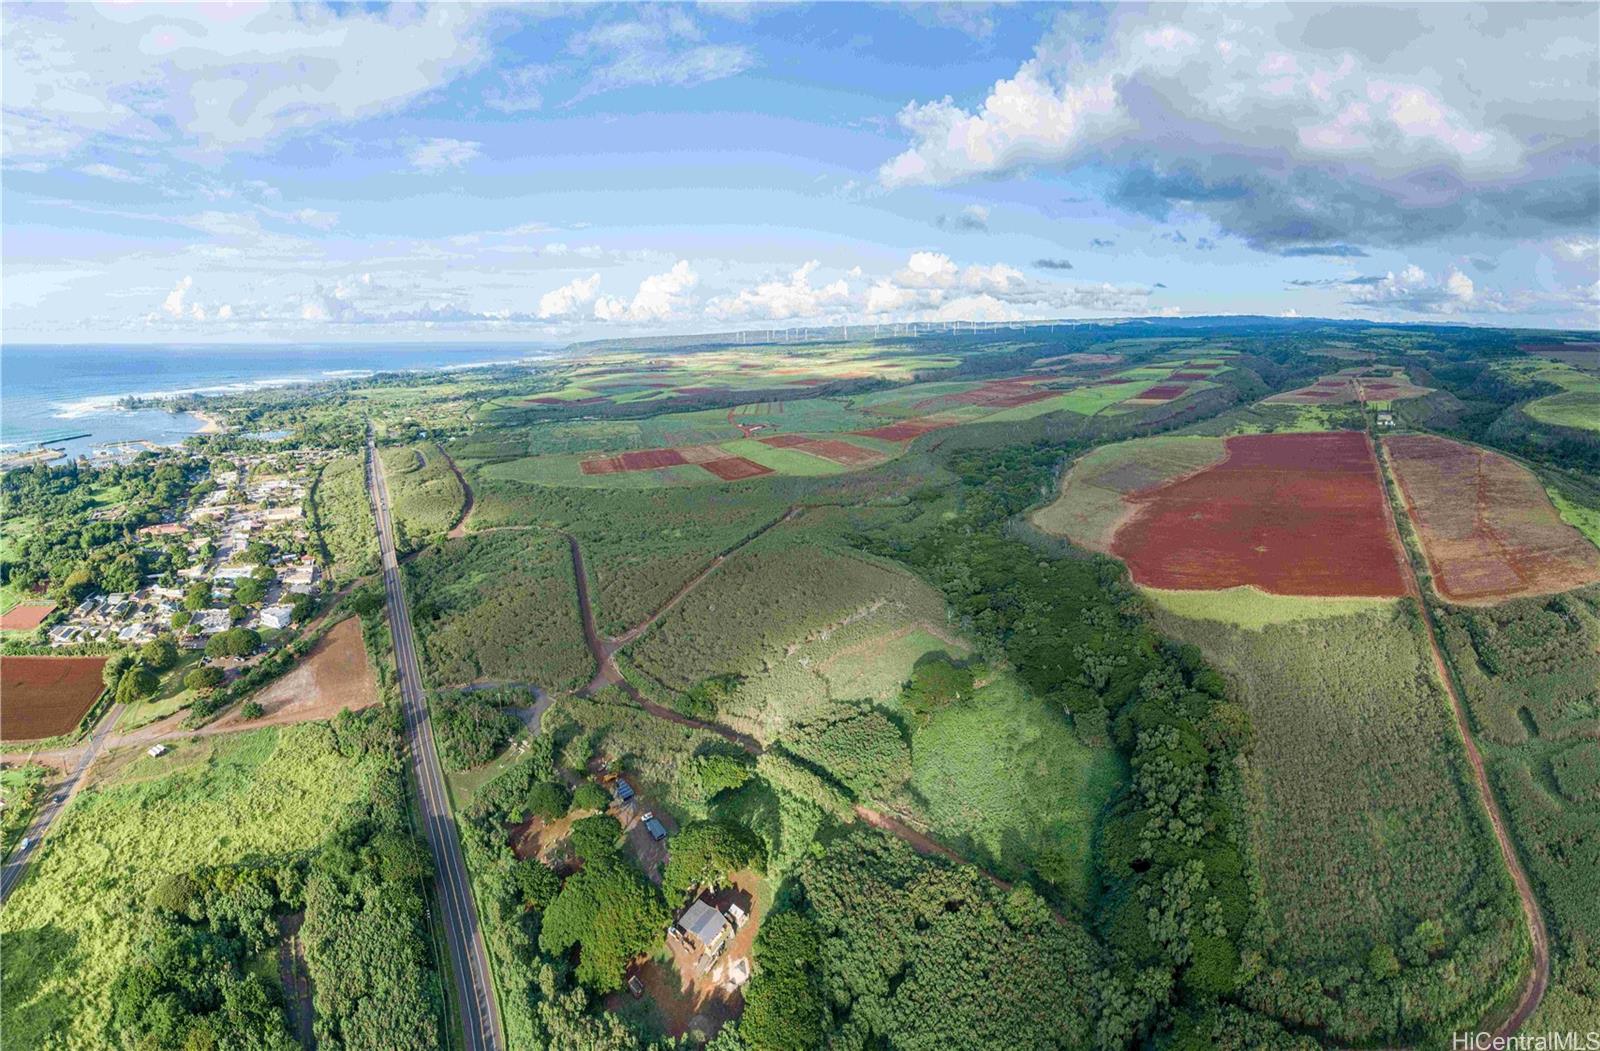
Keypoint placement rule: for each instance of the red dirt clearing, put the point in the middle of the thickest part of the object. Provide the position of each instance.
(904, 431)
(25, 617)
(826, 448)
(334, 676)
(841, 452)
(638, 460)
(46, 696)
(1291, 514)
(1162, 392)
(733, 468)
(1189, 376)
(1487, 526)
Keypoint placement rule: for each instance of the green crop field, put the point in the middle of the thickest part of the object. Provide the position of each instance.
(67, 930)
(1003, 776)
(424, 494)
(498, 607)
(1365, 819)
(1530, 669)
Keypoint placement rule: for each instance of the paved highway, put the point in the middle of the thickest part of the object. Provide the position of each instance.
(480, 1014)
(51, 809)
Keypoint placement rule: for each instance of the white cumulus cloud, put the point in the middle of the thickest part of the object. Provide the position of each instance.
(571, 297)
(661, 297)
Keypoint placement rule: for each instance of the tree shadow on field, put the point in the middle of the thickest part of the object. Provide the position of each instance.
(29, 960)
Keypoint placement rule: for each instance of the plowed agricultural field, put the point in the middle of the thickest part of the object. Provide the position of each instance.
(1291, 514)
(46, 696)
(1488, 529)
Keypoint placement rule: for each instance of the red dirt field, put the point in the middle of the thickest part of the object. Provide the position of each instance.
(998, 394)
(733, 468)
(842, 452)
(1487, 526)
(1291, 514)
(334, 676)
(905, 430)
(826, 448)
(638, 460)
(46, 696)
(25, 617)
(1162, 392)
(1189, 376)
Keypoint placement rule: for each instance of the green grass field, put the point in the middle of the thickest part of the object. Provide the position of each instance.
(877, 667)
(1577, 406)
(1003, 776)
(1364, 816)
(1247, 607)
(67, 930)
(776, 613)
(498, 607)
(425, 496)
(1585, 520)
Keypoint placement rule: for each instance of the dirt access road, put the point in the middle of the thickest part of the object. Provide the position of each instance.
(475, 994)
(1539, 973)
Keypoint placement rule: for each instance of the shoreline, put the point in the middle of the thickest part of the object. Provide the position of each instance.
(209, 424)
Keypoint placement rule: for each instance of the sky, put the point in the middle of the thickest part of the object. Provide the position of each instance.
(376, 172)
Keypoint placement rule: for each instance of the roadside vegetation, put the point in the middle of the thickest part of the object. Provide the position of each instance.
(500, 607)
(343, 518)
(171, 871)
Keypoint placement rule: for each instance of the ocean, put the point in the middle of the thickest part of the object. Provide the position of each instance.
(66, 396)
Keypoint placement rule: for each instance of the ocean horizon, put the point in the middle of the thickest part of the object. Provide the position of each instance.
(67, 396)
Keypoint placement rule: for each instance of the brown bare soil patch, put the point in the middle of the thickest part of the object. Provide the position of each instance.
(784, 441)
(1162, 392)
(46, 696)
(905, 430)
(733, 468)
(334, 676)
(1353, 385)
(842, 452)
(638, 460)
(1487, 526)
(1291, 514)
(25, 617)
(701, 453)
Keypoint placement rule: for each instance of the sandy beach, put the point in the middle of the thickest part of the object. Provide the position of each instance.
(209, 424)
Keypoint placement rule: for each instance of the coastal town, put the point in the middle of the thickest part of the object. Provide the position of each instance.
(242, 557)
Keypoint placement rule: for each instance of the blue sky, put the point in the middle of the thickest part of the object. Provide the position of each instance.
(383, 172)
